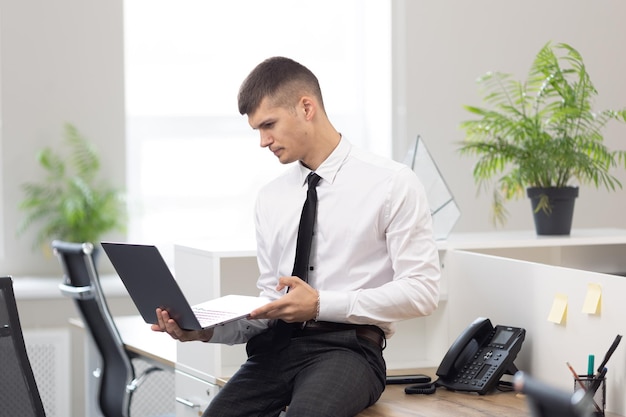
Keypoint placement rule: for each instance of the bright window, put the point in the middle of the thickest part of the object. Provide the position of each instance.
(194, 164)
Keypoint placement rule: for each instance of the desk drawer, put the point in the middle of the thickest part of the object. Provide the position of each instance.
(193, 395)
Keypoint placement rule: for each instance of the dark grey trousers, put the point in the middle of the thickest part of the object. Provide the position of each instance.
(332, 374)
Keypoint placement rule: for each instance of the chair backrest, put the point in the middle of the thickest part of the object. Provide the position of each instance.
(81, 282)
(19, 395)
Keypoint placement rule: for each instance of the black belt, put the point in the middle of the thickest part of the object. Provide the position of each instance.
(369, 332)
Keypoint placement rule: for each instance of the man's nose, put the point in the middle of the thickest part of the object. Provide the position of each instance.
(266, 140)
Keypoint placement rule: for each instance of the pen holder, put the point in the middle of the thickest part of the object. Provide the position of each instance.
(599, 397)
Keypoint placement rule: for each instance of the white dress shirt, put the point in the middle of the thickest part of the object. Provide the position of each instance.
(374, 259)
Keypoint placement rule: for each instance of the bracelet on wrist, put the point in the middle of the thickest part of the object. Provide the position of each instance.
(317, 307)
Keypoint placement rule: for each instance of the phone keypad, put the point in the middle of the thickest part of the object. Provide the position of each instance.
(481, 361)
(478, 372)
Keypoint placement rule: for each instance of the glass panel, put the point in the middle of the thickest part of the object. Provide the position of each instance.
(443, 208)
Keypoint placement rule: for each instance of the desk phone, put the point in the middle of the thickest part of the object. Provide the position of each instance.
(477, 359)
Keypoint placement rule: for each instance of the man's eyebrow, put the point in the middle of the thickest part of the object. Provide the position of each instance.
(264, 123)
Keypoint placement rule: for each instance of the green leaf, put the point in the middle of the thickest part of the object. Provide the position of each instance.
(541, 132)
(71, 203)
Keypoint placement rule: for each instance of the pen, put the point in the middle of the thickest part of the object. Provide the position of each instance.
(597, 381)
(590, 364)
(610, 352)
(576, 378)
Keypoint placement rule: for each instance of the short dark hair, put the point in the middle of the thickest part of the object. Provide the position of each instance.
(281, 79)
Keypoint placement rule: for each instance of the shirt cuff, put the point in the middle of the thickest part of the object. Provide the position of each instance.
(334, 306)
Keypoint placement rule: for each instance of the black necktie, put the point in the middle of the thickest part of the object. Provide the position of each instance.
(303, 253)
(305, 230)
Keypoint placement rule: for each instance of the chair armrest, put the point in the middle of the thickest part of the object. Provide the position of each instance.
(80, 293)
(135, 383)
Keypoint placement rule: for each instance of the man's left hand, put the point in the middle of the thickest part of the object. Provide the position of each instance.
(298, 305)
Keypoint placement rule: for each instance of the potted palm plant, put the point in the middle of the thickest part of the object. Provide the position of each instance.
(542, 136)
(71, 203)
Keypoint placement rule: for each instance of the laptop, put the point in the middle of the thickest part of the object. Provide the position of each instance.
(151, 284)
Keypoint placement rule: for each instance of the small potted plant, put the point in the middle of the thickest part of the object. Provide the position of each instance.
(71, 203)
(542, 136)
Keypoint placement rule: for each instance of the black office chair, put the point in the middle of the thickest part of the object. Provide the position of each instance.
(546, 401)
(19, 395)
(117, 380)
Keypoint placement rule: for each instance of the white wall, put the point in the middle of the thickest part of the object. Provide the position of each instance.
(446, 44)
(61, 61)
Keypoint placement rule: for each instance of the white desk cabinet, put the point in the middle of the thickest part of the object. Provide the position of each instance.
(193, 394)
(204, 272)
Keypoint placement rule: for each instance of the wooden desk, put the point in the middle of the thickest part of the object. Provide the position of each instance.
(395, 403)
(153, 346)
(150, 345)
(443, 403)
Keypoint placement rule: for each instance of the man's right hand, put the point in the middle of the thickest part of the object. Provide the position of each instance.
(166, 324)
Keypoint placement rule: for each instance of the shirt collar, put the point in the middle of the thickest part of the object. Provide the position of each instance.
(330, 167)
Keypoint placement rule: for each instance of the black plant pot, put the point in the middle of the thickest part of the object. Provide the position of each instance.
(556, 219)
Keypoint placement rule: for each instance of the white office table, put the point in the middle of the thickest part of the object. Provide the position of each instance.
(140, 339)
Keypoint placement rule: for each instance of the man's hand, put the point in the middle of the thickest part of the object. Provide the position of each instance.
(167, 325)
(298, 305)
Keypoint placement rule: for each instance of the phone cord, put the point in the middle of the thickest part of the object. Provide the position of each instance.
(425, 388)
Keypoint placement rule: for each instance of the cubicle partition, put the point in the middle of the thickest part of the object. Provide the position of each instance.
(568, 313)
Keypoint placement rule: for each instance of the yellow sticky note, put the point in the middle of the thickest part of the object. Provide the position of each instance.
(592, 299)
(559, 309)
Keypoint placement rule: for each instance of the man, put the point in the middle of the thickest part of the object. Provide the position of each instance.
(317, 348)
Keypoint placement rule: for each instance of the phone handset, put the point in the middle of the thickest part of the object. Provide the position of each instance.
(461, 351)
(464, 347)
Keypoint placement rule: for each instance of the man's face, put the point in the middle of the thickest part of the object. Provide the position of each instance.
(282, 130)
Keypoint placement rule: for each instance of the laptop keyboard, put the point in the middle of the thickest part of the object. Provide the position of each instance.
(211, 315)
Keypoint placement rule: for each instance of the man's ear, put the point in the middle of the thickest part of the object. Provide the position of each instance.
(308, 106)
